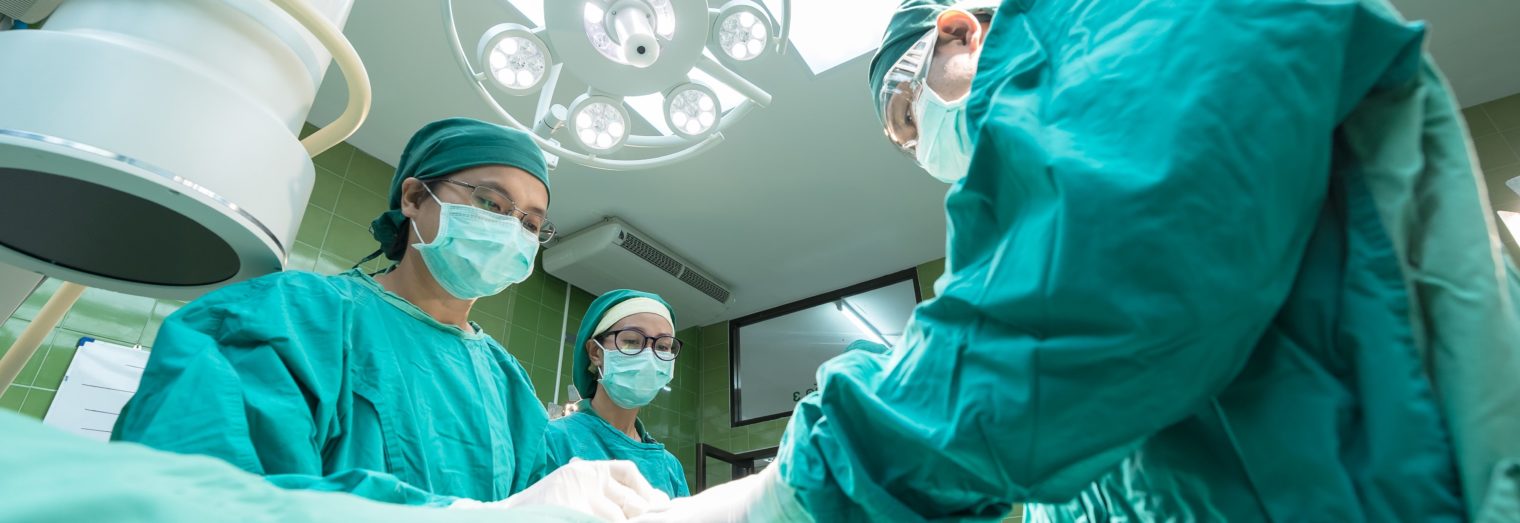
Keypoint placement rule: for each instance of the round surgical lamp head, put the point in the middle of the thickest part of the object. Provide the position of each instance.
(741, 31)
(598, 123)
(629, 31)
(692, 110)
(515, 59)
(195, 180)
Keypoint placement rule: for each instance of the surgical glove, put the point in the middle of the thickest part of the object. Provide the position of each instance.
(760, 497)
(611, 490)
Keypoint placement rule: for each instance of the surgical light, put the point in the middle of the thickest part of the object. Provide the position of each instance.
(598, 123)
(516, 60)
(742, 30)
(859, 321)
(691, 110)
(626, 55)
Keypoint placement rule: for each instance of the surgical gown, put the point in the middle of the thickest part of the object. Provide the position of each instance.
(587, 436)
(52, 476)
(333, 383)
(1212, 261)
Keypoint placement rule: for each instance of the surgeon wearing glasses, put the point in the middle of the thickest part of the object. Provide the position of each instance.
(1206, 261)
(381, 386)
(625, 353)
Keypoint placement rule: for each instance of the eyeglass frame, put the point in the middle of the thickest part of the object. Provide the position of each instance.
(909, 75)
(648, 343)
(543, 223)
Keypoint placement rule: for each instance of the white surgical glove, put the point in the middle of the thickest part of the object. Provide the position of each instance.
(760, 497)
(611, 490)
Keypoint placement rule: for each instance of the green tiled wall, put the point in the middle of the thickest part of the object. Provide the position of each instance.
(350, 191)
(1495, 128)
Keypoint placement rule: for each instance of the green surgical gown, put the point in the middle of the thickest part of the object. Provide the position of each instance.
(332, 383)
(1212, 261)
(587, 436)
(51, 476)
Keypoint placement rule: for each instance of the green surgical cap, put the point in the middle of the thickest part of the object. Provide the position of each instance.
(580, 371)
(446, 147)
(912, 20)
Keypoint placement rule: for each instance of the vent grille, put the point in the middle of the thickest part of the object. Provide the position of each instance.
(701, 283)
(650, 254)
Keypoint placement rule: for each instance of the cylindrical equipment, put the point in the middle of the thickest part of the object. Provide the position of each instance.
(151, 147)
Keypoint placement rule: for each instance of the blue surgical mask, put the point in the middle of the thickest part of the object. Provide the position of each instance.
(632, 381)
(944, 146)
(476, 252)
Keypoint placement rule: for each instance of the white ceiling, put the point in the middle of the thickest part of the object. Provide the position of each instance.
(1476, 43)
(805, 196)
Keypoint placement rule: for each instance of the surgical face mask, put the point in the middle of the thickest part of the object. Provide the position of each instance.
(632, 381)
(476, 252)
(944, 146)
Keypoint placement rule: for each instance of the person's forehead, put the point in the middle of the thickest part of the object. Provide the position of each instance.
(652, 324)
(516, 183)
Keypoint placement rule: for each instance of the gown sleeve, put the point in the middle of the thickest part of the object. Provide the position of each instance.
(255, 374)
(1144, 179)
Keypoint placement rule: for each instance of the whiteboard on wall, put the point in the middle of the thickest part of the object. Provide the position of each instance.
(776, 353)
(100, 380)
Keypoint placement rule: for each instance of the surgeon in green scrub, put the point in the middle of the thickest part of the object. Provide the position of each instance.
(381, 386)
(1207, 261)
(625, 353)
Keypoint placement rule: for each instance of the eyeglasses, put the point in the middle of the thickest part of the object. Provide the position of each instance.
(488, 199)
(633, 341)
(900, 90)
(906, 80)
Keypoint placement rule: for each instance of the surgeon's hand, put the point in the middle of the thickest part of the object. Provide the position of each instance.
(611, 490)
(761, 497)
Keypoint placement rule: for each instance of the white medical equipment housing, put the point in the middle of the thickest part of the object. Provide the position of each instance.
(150, 147)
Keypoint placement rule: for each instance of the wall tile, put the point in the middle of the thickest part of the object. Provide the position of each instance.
(532, 289)
(358, 205)
(349, 241)
(327, 263)
(1478, 123)
(370, 173)
(335, 159)
(161, 309)
(526, 314)
(499, 305)
(551, 320)
(554, 292)
(1494, 152)
(303, 257)
(927, 273)
(12, 398)
(9, 331)
(1504, 112)
(32, 304)
(324, 192)
(715, 335)
(521, 341)
(313, 226)
(37, 402)
(110, 315)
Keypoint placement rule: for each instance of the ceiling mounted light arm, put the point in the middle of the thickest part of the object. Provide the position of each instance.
(354, 74)
(573, 41)
(546, 95)
(732, 79)
(785, 35)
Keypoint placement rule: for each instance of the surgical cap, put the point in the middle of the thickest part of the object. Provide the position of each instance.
(585, 380)
(912, 20)
(446, 147)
